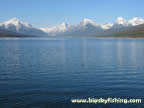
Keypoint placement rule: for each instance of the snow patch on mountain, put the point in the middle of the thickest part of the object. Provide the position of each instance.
(87, 21)
(136, 21)
(121, 21)
(106, 26)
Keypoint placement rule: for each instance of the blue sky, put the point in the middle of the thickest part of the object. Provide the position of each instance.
(44, 13)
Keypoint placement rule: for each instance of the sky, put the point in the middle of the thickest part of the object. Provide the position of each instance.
(45, 13)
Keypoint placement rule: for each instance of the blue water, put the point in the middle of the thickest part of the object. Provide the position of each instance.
(48, 73)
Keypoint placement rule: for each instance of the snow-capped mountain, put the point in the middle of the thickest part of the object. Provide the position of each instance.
(106, 26)
(121, 21)
(86, 27)
(136, 21)
(132, 22)
(86, 22)
(89, 27)
(56, 29)
(15, 25)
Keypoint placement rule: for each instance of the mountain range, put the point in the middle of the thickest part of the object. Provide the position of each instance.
(121, 27)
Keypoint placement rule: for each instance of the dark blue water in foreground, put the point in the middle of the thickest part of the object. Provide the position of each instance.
(48, 73)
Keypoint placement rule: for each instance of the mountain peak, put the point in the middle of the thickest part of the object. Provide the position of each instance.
(120, 20)
(14, 19)
(15, 25)
(16, 22)
(64, 25)
(136, 21)
(86, 21)
(56, 29)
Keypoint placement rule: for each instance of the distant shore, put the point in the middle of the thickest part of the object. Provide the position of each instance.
(29, 36)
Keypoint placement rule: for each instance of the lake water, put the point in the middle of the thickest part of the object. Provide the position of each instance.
(48, 73)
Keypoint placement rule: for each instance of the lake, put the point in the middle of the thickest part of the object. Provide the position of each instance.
(49, 72)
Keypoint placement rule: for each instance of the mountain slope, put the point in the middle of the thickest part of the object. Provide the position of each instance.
(135, 31)
(7, 33)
